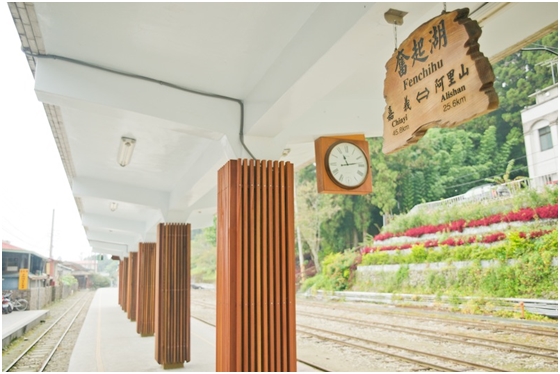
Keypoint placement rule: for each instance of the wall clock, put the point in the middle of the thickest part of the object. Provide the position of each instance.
(346, 164)
(342, 165)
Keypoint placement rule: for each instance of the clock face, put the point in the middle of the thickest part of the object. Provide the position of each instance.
(347, 164)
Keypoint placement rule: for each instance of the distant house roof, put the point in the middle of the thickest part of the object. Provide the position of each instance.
(8, 247)
(76, 267)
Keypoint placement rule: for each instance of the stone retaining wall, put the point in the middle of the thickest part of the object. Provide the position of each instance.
(419, 273)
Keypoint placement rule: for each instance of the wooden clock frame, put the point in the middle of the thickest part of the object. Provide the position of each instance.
(325, 183)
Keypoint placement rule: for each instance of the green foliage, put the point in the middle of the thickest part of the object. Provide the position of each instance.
(526, 198)
(68, 280)
(384, 193)
(99, 281)
(418, 254)
(532, 275)
(203, 258)
(210, 233)
(313, 209)
(337, 272)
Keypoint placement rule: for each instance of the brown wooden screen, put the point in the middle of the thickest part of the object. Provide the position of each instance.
(124, 284)
(172, 316)
(255, 306)
(132, 285)
(145, 307)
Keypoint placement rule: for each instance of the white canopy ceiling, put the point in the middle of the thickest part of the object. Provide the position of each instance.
(283, 74)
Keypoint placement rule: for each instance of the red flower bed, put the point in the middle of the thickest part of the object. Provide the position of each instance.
(523, 215)
(453, 242)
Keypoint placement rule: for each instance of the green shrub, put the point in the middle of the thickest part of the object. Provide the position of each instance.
(100, 281)
(337, 272)
(376, 258)
(418, 254)
(68, 280)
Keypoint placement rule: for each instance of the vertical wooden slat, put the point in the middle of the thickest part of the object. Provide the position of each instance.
(283, 269)
(245, 244)
(255, 323)
(271, 267)
(145, 307)
(258, 268)
(277, 284)
(265, 266)
(252, 269)
(172, 290)
(291, 261)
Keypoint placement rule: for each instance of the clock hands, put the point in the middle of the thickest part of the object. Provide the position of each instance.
(347, 164)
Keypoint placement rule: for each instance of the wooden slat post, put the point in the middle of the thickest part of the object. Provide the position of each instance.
(145, 307)
(172, 294)
(255, 306)
(124, 284)
(120, 282)
(132, 285)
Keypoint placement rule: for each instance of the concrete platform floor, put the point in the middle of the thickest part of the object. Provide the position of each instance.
(108, 342)
(17, 323)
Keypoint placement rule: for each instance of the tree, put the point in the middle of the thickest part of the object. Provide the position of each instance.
(384, 179)
(313, 209)
(505, 178)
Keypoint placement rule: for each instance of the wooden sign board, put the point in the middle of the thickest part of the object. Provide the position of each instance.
(436, 77)
(326, 182)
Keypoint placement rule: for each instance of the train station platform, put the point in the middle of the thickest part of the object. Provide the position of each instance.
(17, 323)
(109, 342)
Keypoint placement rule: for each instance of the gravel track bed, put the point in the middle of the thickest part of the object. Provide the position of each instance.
(338, 358)
(61, 359)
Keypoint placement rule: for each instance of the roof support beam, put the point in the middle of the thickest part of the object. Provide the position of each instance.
(93, 221)
(120, 240)
(91, 187)
(82, 87)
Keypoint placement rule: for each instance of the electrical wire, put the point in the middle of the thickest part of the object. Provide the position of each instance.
(152, 80)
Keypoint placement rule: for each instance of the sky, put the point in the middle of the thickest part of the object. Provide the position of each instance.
(33, 182)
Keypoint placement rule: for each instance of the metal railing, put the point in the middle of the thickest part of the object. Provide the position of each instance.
(495, 193)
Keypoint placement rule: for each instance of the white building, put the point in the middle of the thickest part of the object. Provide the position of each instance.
(540, 129)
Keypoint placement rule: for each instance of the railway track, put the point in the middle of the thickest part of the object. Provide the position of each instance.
(397, 352)
(37, 355)
(452, 337)
(491, 339)
(493, 326)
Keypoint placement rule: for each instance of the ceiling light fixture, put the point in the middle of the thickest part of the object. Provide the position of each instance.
(113, 206)
(125, 150)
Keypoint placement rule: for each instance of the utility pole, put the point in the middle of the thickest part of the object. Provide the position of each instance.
(52, 232)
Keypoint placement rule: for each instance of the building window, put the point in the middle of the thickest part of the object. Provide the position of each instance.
(545, 138)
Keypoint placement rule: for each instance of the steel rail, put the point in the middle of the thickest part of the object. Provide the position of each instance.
(13, 363)
(460, 338)
(48, 359)
(486, 324)
(457, 361)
